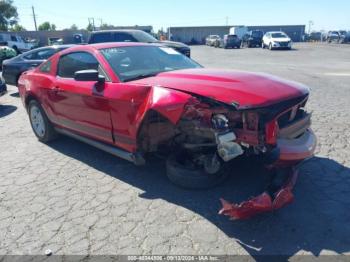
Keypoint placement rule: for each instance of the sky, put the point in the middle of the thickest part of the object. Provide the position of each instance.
(325, 14)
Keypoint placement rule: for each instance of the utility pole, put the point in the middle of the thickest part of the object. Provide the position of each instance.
(226, 20)
(92, 22)
(34, 17)
(311, 23)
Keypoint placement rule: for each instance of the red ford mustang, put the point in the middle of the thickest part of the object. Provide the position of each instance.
(133, 99)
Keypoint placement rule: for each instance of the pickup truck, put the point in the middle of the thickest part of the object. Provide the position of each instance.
(16, 42)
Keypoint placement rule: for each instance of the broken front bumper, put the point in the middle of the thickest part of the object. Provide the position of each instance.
(298, 149)
(291, 152)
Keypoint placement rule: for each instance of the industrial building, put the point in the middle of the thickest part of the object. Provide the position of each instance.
(197, 34)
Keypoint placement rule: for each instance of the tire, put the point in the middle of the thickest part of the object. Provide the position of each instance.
(270, 47)
(192, 178)
(41, 125)
(16, 49)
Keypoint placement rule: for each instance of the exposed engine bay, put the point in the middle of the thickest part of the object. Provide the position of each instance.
(210, 134)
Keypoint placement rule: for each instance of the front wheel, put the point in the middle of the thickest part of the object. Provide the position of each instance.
(186, 175)
(41, 125)
(270, 46)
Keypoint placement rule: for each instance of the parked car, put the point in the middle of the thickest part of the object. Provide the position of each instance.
(3, 87)
(133, 99)
(333, 36)
(228, 41)
(347, 38)
(55, 41)
(277, 40)
(342, 36)
(106, 36)
(253, 38)
(13, 68)
(15, 41)
(315, 36)
(78, 38)
(212, 40)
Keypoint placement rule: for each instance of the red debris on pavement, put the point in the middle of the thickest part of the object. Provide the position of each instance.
(262, 203)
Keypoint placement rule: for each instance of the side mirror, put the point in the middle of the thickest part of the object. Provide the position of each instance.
(89, 75)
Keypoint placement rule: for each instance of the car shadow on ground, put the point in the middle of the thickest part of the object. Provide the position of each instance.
(16, 94)
(317, 220)
(7, 110)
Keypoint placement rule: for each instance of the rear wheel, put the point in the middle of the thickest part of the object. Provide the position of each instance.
(16, 49)
(182, 172)
(41, 125)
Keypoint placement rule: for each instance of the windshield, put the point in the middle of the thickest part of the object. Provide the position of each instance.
(257, 34)
(136, 62)
(144, 37)
(231, 37)
(214, 37)
(278, 35)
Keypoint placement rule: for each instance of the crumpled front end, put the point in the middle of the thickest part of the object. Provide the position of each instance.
(210, 133)
(289, 141)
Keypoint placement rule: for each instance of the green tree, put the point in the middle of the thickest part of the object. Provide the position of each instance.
(46, 26)
(106, 27)
(17, 28)
(8, 14)
(73, 27)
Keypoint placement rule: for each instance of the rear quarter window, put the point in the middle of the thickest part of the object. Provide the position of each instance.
(101, 38)
(46, 67)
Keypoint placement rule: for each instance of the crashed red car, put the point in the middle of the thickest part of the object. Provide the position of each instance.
(133, 99)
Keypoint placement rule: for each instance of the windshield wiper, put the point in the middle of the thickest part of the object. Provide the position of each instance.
(141, 76)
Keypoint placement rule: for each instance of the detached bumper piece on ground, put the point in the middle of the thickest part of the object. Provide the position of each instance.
(269, 200)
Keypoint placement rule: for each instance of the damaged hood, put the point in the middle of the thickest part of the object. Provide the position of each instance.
(242, 89)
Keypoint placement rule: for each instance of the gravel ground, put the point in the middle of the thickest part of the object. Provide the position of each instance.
(74, 199)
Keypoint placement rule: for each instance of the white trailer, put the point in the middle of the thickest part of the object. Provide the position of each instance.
(239, 31)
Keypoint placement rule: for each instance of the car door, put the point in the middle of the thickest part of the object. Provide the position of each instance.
(77, 104)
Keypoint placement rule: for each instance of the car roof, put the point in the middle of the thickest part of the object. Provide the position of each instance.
(45, 47)
(117, 30)
(273, 32)
(99, 46)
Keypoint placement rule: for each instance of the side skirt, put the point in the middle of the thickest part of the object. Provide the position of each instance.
(135, 158)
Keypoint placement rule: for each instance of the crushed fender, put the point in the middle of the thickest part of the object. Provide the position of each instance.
(263, 203)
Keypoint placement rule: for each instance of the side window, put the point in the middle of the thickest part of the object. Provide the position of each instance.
(73, 62)
(13, 38)
(46, 67)
(40, 54)
(124, 37)
(31, 55)
(45, 54)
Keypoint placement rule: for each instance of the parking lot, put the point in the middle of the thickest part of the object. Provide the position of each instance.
(74, 199)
